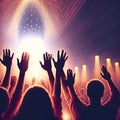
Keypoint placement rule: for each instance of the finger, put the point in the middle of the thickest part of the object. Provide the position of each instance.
(18, 62)
(1, 60)
(58, 55)
(3, 52)
(41, 64)
(62, 53)
(49, 56)
(67, 72)
(74, 75)
(28, 56)
(23, 54)
(12, 55)
(8, 52)
(101, 74)
(44, 57)
(54, 61)
(104, 68)
(66, 58)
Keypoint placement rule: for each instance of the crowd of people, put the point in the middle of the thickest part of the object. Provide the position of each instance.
(39, 103)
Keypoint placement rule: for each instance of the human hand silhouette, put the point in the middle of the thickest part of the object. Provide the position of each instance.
(47, 62)
(105, 74)
(61, 58)
(70, 78)
(7, 58)
(23, 65)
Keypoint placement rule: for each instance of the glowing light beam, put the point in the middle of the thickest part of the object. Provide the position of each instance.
(97, 67)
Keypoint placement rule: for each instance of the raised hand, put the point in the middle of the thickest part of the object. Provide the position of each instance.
(23, 65)
(7, 58)
(47, 66)
(70, 78)
(7, 61)
(17, 95)
(47, 62)
(105, 74)
(59, 64)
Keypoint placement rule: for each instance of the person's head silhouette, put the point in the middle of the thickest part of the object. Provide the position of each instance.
(4, 100)
(95, 90)
(36, 105)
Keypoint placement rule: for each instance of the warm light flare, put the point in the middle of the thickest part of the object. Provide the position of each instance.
(97, 67)
(96, 57)
(84, 76)
(77, 76)
(35, 47)
(66, 116)
(110, 67)
(108, 60)
(117, 71)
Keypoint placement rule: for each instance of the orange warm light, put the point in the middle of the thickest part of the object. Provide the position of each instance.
(110, 67)
(117, 70)
(84, 76)
(77, 76)
(35, 47)
(97, 67)
(66, 116)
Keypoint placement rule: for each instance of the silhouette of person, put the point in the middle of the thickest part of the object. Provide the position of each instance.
(95, 91)
(4, 101)
(7, 62)
(17, 95)
(36, 105)
(55, 84)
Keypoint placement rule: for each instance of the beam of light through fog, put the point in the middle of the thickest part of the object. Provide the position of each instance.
(97, 67)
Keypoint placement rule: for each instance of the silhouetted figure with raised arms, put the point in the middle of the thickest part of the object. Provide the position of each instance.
(47, 66)
(4, 102)
(17, 95)
(7, 62)
(36, 105)
(4, 89)
(55, 83)
(95, 90)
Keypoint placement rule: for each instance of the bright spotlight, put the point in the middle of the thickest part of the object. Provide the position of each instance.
(108, 60)
(84, 66)
(116, 63)
(96, 57)
(97, 67)
(66, 116)
(35, 47)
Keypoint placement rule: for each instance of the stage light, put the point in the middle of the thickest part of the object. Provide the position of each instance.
(108, 60)
(35, 47)
(96, 57)
(110, 67)
(77, 76)
(116, 63)
(97, 67)
(84, 76)
(84, 66)
(117, 70)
